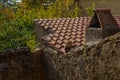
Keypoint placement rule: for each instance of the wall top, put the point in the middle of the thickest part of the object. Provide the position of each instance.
(102, 9)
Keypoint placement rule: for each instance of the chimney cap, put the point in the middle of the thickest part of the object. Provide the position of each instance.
(102, 9)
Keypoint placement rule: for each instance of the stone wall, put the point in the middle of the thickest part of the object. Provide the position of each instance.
(110, 30)
(93, 35)
(97, 62)
(21, 64)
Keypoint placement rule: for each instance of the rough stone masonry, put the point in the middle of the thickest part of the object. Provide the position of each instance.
(21, 64)
(97, 62)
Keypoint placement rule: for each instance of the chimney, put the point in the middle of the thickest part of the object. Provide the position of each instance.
(104, 19)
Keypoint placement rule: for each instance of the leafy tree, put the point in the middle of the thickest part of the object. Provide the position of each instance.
(17, 27)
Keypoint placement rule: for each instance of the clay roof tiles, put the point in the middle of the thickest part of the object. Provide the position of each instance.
(67, 30)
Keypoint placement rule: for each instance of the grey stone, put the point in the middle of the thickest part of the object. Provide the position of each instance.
(3, 66)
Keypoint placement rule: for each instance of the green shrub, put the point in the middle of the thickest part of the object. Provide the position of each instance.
(17, 30)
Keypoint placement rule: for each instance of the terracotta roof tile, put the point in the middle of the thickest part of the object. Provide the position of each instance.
(58, 46)
(52, 42)
(62, 49)
(57, 31)
(54, 38)
(67, 30)
(65, 41)
(61, 37)
(66, 37)
(48, 38)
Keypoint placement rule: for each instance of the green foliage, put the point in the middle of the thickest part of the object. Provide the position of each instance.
(18, 32)
(89, 9)
(65, 8)
(17, 28)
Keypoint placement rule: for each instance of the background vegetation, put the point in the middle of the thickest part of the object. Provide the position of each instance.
(17, 19)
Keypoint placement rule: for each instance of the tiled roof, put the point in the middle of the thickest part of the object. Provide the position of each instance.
(117, 19)
(66, 30)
